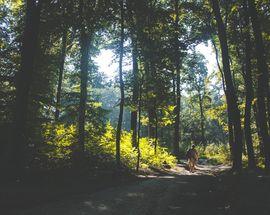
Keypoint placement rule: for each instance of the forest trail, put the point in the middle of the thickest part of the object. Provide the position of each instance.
(175, 192)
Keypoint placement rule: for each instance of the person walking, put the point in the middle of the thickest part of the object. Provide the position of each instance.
(192, 157)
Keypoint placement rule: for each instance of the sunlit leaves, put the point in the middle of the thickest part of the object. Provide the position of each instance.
(13, 4)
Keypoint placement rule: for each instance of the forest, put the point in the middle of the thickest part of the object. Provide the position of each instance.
(61, 116)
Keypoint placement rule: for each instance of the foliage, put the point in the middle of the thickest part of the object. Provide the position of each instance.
(215, 153)
(56, 150)
(59, 139)
(169, 77)
(129, 154)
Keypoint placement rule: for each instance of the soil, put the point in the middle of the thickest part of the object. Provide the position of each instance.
(211, 190)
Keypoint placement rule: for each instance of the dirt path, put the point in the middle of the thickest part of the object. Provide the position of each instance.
(177, 192)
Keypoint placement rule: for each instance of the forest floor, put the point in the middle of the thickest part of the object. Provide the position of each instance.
(211, 190)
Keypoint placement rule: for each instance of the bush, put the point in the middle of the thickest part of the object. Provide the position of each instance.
(129, 154)
(57, 148)
(215, 153)
(59, 139)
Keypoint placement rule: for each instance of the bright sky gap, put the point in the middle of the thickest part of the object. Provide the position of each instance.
(107, 65)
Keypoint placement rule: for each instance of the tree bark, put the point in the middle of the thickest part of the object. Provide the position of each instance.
(151, 123)
(85, 42)
(263, 86)
(151, 100)
(176, 143)
(121, 82)
(255, 110)
(60, 75)
(139, 126)
(134, 112)
(156, 132)
(132, 11)
(231, 95)
(248, 91)
(229, 120)
(23, 83)
(202, 120)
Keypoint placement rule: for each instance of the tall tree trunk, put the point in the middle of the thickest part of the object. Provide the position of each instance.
(249, 93)
(150, 72)
(202, 119)
(151, 102)
(176, 143)
(231, 95)
(255, 110)
(60, 74)
(139, 126)
(149, 99)
(151, 117)
(85, 42)
(156, 132)
(23, 84)
(263, 86)
(120, 119)
(135, 91)
(229, 121)
(132, 11)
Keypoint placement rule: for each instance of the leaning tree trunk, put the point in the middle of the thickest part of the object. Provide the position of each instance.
(263, 85)
(23, 83)
(231, 95)
(120, 119)
(229, 121)
(60, 74)
(245, 62)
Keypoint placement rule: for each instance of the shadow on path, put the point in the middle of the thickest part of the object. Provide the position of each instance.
(174, 192)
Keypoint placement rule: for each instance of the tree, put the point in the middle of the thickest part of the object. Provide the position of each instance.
(231, 94)
(24, 81)
(229, 120)
(121, 82)
(249, 90)
(196, 79)
(178, 90)
(132, 11)
(240, 48)
(85, 42)
(61, 72)
(263, 85)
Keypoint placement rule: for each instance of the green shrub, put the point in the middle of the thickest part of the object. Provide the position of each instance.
(57, 148)
(129, 154)
(215, 153)
(59, 139)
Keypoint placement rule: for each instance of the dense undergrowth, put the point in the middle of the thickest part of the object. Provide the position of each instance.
(215, 153)
(59, 141)
(220, 154)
